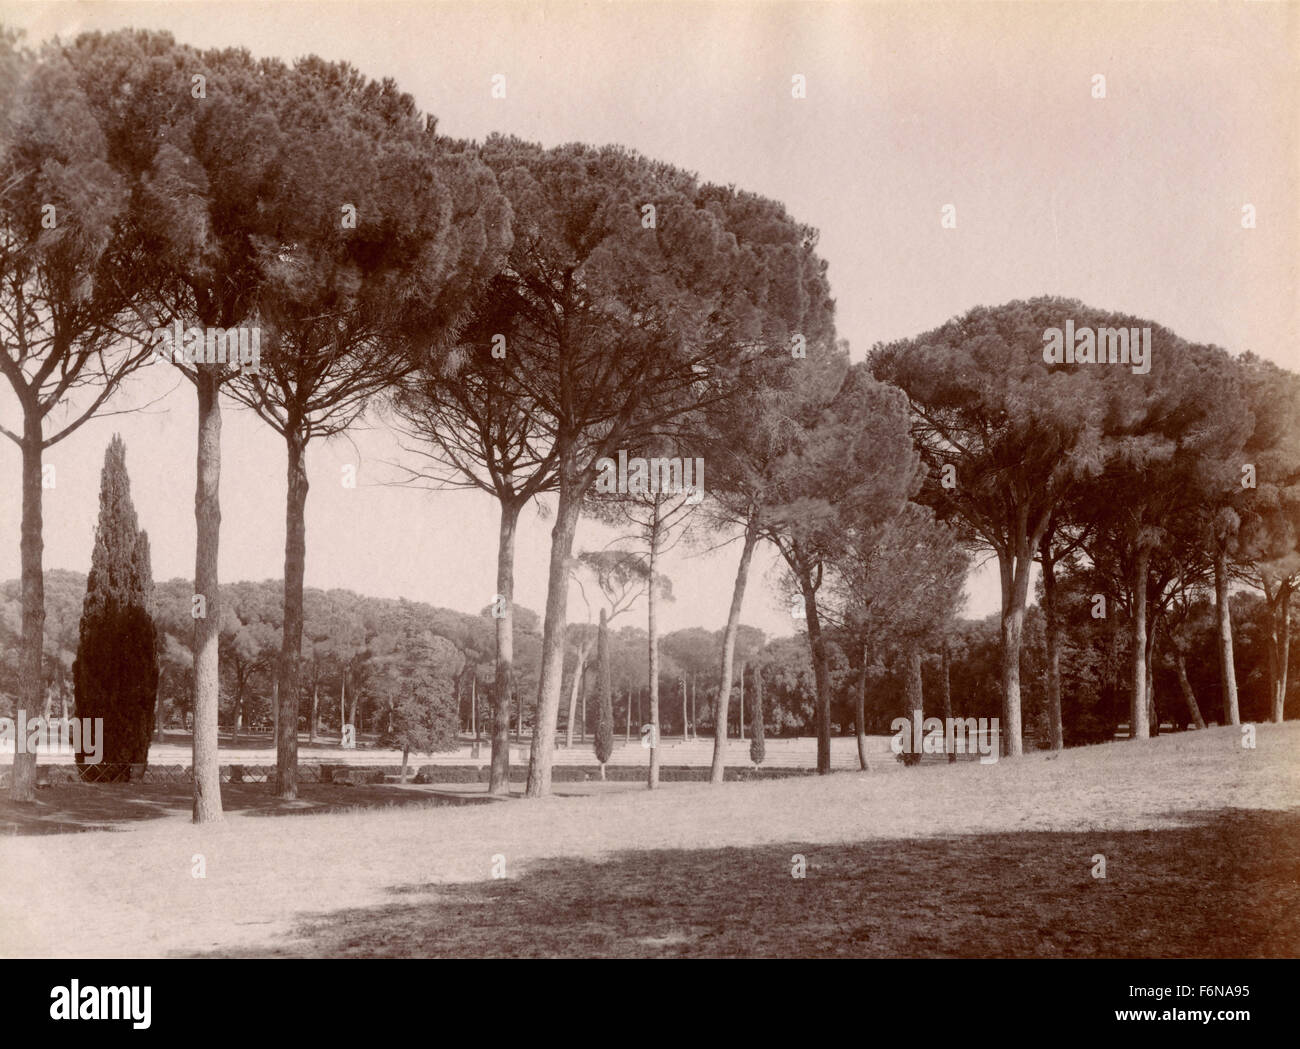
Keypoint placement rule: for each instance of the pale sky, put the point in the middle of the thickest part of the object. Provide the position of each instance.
(1132, 203)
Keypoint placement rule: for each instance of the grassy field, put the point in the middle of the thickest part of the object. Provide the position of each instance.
(1201, 840)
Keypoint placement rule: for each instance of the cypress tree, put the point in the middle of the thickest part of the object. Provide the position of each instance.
(757, 748)
(605, 722)
(115, 675)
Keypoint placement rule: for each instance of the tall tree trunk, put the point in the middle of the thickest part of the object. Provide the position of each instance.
(406, 753)
(238, 718)
(1052, 632)
(945, 684)
(1223, 614)
(915, 701)
(1015, 594)
(31, 552)
(1153, 718)
(860, 712)
(579, 667)
(343, 703)
(627, 732)
(542, 757)
(695, 713)
(473, 704)
(352, 715)
(295, 564)
(821, 672)
(503, 686)
(652, 626)
(686, 724)
(207, 518)
(741, 719)
(1138, 725)
(1193, 708)
(719, 765)
(315, 708)
(1284, 654)
(159, 715)
(1279, 647)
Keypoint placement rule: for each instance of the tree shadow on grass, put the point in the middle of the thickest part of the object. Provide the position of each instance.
(73, 807)
(1225, 886)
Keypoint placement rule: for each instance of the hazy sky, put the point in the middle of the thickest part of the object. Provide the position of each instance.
(1132, 203)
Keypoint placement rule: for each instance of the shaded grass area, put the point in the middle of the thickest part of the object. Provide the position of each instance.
(73, 807)
(1225, 887)
(1197, 829)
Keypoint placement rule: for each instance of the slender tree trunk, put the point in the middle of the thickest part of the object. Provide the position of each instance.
(686, 724)
(31, 552)
(238, 716)
(159, 715)
(295, 564)
(1138, 726)
(860, 712)
(406, 752)
(1284, 653)
(915, 701)
(315, 708)
(1052, 632)
(473, 704)
(946, 694)
(627, 732)
(695, 713)
(1279, 647)
(503, 686)
(343, 703)
(207, 518)
(1185, 685)
(579, 667)
(822, 673)
(1153, 718)
(741, 719)
(1223, 611)
(352, 716)
(652, 777)
(719, 765)
(1015, 593)
(552, 656)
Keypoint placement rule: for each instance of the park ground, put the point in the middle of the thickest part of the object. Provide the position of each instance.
(1200, 838)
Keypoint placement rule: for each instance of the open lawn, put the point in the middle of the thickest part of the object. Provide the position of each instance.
(1201, 840)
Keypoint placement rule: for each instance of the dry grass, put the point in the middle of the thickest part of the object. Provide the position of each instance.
(1201, 838)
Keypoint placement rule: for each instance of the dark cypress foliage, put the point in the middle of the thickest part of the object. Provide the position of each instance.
(115, 675)
(757, 748)
(605, 722)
